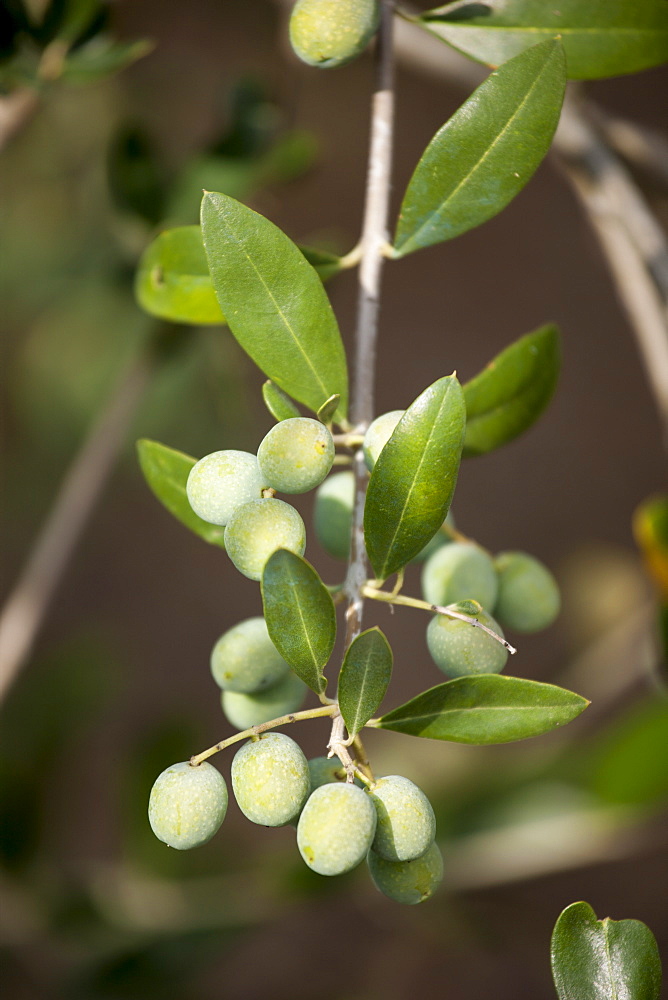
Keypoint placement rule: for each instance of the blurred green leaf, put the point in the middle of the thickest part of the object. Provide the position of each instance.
(166, 472)
(326, 264)
(300, 615)
(486, 153)
(101, 57)
(328, 409)
(173, 279)
(512, 391)
(413, 480)
(630, 763)
(487, 708)
(76, 17)
(603, 959)
(277, 402)
(601, 37)
(650, 528)
(365, 675)
(274, 302)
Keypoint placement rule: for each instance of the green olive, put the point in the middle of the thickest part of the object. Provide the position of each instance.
(329, 33)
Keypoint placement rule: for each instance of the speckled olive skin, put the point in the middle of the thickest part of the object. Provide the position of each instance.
(457, 572)
(187, 805)
(336, 828)
(221, 482)
(325, 770)
(529, 597)
(407, 881)
(246, 710)
(257, 529)
(406, 822)
(329, 33)
(460, 649)
(333, 513)
(245, 659)
(296, 455)
(270, 779)
(378, 434)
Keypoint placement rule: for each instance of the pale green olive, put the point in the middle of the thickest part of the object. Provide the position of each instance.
(329, 33)
(336, 828)
(528, 593)
(333, 513)
(406, 822)
(245, 659)
(187, 804)
(460, 571)
(459, 648)
(246, 710)
(296, 455)
(407, 881)
(270, 779)
(378, 434)
(221, 482)
(257, 529)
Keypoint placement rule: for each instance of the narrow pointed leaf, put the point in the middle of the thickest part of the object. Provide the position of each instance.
(485, 154)
(328, 409)
(274, 302)
(166, 472)
(485, 708)
(300, 615)
(512, 391)
(413, 480)
(364, 677)
(603, 959)
(277, 402)
(601, 37)
(173, 279)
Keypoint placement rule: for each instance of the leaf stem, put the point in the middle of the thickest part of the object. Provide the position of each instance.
(283, 720)
(449, 612)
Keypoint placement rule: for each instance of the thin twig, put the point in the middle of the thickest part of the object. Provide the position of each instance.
(26, 606)
(263, 727)
(15, 110)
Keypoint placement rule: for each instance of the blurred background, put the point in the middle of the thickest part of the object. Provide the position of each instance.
(117, 685)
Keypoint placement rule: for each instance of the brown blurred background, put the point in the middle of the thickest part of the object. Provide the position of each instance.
(117, 686)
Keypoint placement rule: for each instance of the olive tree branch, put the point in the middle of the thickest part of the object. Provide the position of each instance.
(26, 607)
(283, 720)
(413, 602)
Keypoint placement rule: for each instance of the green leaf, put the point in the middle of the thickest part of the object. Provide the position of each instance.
(166, 472)
(512, 391)
(328, 409)
(603, 959)
(101, 57)
(486, 708)
(365, 674)
(326, 264)
(274, 302)
(485, 154)
(601, 37)
(413, 480)
(300, 615)
(277, 402)
(629, 763)
(173, 279)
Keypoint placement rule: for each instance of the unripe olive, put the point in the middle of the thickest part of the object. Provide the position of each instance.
(245, 659)
(460, 571)
(407, 881)
(528, 593)
(460, 649)
(324, 770)
(296, 455)
(333, 513)
(336, 828)
(378, 434)
(221, 482)
(257, 529)
(329, 33)
(270, 779)
(406, 822)
(246, 710)
(187, 804)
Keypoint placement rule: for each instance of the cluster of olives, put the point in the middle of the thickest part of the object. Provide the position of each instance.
(236, 489)
(390, 823)
(257, 684)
